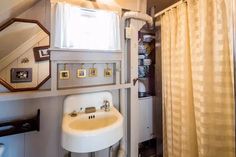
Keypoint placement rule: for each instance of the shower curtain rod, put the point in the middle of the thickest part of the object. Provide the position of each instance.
(170, 7)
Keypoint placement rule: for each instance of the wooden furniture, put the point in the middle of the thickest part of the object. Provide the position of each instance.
(20, 126)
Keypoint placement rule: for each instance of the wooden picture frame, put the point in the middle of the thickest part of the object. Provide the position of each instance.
(20, 75)
(41, 53)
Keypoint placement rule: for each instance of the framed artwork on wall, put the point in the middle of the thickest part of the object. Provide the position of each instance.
(19, 75)
(41, 53)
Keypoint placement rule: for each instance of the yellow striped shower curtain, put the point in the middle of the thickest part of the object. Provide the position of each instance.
(198, 85)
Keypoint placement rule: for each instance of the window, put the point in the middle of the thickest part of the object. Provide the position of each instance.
(80, 28)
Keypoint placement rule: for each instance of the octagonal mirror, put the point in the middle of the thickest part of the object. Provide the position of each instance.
(24, 55)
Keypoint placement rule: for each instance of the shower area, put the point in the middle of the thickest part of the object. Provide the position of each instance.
(195, 50)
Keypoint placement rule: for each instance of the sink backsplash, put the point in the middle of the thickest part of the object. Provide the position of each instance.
(78, 103)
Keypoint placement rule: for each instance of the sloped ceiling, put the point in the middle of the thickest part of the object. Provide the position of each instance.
(160, 4)
(13, 8)
(23, 31)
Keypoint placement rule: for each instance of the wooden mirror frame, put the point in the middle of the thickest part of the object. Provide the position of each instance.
(3, 82)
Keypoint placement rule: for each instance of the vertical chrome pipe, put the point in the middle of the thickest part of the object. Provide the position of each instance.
(69, 154)
(92, 154)
(2, 148)
(110, 151)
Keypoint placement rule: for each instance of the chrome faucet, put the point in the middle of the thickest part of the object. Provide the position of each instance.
(106, 106)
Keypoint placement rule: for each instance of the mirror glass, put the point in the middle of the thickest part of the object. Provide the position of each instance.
(24, 55)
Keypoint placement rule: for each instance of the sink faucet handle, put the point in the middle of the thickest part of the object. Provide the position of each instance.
(106, 102)
(73, 114)
(106, 105)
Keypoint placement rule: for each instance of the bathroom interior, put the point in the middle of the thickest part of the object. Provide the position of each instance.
(117, 78)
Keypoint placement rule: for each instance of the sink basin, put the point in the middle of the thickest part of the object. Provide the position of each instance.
(82, 134)
(90, 132)
(101, 121)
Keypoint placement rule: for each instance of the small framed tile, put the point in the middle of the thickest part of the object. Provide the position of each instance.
(93, 72)
(81, 73)
(108, 72)
(64, 74)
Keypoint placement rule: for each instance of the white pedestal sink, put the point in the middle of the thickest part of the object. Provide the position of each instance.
(89, 132)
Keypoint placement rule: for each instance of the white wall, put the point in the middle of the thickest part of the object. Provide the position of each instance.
(12, 8)
(41, 11)
(45, 143)
(134, 5)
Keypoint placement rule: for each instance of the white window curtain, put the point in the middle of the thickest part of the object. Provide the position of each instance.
(80, 28)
